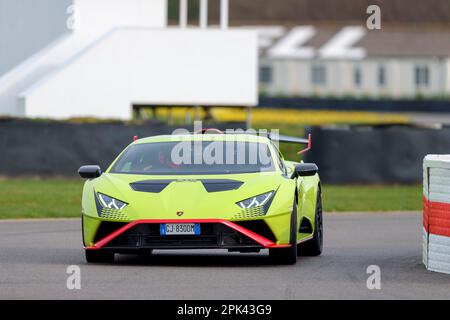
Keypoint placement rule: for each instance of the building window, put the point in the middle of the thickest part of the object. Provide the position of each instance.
(357, 76)
(422, 76)
(381, 76)
(318, 75)
(265, 74)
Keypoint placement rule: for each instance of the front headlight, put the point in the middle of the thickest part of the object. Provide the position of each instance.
(256, 201)
(111, 203)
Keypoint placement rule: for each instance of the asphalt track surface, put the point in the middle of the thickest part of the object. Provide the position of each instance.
(34, 256)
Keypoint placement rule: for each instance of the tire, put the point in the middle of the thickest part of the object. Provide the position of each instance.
(82, 230)
(288, 255)
(314, 246)
(99, 256)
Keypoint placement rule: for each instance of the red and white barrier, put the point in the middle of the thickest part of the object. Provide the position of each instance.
(436, 213)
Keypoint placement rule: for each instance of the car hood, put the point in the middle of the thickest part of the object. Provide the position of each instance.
(186, 197)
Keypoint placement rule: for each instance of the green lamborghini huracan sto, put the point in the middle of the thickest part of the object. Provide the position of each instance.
(203, 191)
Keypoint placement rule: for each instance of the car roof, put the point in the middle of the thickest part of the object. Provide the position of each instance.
(204, 137)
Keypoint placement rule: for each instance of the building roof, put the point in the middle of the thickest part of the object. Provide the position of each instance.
(295, 12)
(359, 42)
(407, 43)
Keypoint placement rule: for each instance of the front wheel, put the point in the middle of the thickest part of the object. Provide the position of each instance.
(314, 246)
(99, 256)
(288, 255)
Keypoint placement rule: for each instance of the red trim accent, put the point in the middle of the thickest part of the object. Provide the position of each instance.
(266, 243)
(308, 147)
(135, 138)
(436, 217)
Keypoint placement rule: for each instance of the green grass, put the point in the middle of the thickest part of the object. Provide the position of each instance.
(372, 198)
(33, 198)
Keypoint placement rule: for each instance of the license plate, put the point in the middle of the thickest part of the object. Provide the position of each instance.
(167, 229)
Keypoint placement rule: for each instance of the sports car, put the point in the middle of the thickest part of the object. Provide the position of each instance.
(203, 190)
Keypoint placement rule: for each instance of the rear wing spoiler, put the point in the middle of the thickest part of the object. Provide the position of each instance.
(289, 139)
(280, 138)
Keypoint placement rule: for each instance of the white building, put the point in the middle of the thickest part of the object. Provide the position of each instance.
(121, 53)
(99, 58)
(353, 61)
(26, 26)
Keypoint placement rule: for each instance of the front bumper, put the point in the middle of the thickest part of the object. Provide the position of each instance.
(216, 233)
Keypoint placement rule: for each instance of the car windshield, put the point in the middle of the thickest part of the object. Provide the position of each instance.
(191, 158)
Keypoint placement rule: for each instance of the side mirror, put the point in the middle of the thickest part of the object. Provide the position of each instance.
(305, 170)
(90, 172)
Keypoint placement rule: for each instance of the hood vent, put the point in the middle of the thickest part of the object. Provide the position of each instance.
(212, 185)
(221, 185)
(154, 186)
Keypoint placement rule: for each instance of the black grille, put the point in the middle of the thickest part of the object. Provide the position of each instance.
(213, 235)
(258, 227)
(106, 228)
